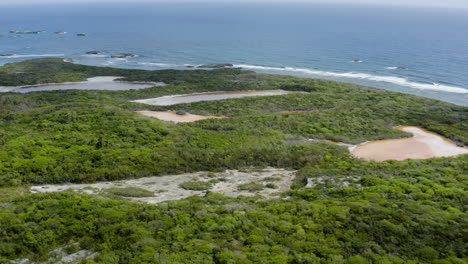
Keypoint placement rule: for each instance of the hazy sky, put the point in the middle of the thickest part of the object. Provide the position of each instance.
(427, 3)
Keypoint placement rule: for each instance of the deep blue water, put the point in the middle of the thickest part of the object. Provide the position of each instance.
(319, 41)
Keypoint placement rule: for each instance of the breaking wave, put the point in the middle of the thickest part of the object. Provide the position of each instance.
(157, 64)
(32, 55)
(363, 76)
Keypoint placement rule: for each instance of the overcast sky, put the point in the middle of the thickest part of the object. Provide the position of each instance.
(426, 3)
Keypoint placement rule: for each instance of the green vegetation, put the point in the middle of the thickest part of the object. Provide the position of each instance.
(251, 187)
(130, 192)
(196, 185)
(410, 211)
(272, 179)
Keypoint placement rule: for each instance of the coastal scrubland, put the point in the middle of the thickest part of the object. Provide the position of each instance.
(352, 211)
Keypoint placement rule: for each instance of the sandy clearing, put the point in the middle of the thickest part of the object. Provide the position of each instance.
(167, 188)
(174, 117)
(209, 96)
(299, 111)
(423, 145)
(93, 83)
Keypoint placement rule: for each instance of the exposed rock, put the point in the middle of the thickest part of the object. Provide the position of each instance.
(123, 55)
(93, 52)
(401, 68)
(60, 32)
(6, 55)
(356, 61)
(81, 34)
(27, 31)
(222, 65)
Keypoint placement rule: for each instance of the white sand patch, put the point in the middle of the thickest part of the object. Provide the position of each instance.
(167, 188)
(209, 96)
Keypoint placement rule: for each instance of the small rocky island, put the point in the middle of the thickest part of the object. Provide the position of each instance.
(123, 55)
(14, 31)
(215, 66)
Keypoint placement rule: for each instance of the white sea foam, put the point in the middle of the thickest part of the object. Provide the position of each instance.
(364, 76)
(32, 55)
(392, 68)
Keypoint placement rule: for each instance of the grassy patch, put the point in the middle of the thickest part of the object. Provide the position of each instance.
(272, 179)
(196, 185)
(130, 192)
(251, 187)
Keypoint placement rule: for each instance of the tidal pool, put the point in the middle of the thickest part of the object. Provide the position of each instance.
(210, 96)
(423, 145)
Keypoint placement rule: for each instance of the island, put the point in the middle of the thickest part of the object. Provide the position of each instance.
(123, 55)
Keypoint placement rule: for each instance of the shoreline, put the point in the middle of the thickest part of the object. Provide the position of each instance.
(453, 94)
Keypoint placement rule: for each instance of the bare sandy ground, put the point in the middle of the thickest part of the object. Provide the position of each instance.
(423, 145)
(299, 111)
(174, 117)
(167, 188)
(209, 96)
(94, 83)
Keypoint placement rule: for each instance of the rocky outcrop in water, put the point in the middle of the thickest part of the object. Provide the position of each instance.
(5, 55)
(27, 31)
(214, 66)
(93, 52)
(123, 55)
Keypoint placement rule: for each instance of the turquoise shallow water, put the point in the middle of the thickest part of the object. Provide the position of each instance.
(319, 41)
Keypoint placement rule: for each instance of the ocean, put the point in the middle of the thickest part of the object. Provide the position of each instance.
(421, 51)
